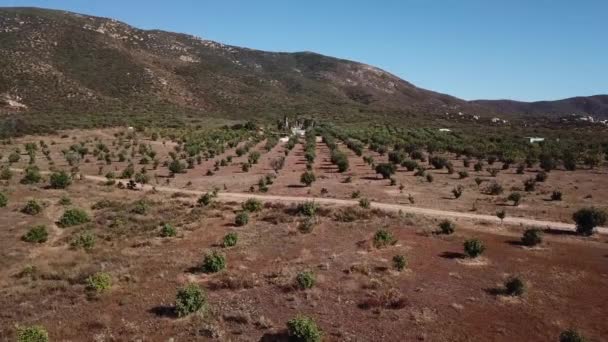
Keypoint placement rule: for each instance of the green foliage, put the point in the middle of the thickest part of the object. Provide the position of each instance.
(530, 184)
(3, 200)
(205, 199)
(14, 158)
(99, 282)
(253, 157)
(587, 219)
(306, 225)
(252, 205)
(514, 197)
(241, 219)
(64, 200)
(32, 207)
(37, 234)
(34, 333)
(307, 178)
(175, 167)
(189, 299)
(532, 237)
(167, 230)
(308, 208)
(494, 189)
(303, 329)
(474, 248)
(383, 238)
(571, 335)
(230, 240)
(306, 280)
(140, 207)
(515, 287)
(6, 173)
(32, 175)
(386, 170)
(84, 240)
(364, 203)
(213, 262)
(447, 227)
(501, 214)
(73, 217)
(399, 262)
(60, 180)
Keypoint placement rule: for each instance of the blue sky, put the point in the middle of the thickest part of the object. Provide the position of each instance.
(473, 49)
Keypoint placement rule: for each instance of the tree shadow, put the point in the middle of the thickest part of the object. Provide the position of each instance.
(164, 311)
(452, 255)
(371, 178)
(296, 186)
(275, 337)
(496, 291)
(515, 243)
(554, 231)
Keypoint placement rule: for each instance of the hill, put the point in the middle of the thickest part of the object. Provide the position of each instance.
(65, 70)
(596, 106)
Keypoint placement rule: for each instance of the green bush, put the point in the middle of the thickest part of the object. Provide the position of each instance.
(399, 262)
(515, 287)
(514, 197)
(167, 230)
(383, 238)
(60, 180)
(73, 217)
(85, 240)
(140, 207)
(474, 248)
(307, 178)
(307, 224)
(365, 203)
(241, 219)
(409, 164)
(571, 335)
(306, 280)
(65, 201)
(230, 240)
(34, 333)
(386, 170)
(32, 208)
(457, 191)
(213, 262)
(532, 237)
(252, 205)
(303, 329)
(447, 227)
(32, 175)
(494, 189)
(205, 199)
(587, 219)
(189, 299)
(99, 282)
(3, 200)
(308, 208)
(37, 234)
(6, 173)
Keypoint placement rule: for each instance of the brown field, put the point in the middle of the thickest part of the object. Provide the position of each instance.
(358, 295)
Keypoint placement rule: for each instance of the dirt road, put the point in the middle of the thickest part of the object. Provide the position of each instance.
(240, 197)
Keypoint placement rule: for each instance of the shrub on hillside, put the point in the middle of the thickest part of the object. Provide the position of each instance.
(241, 219)
(32, 207)
(514, 197)
(515, 287)
(34, 333)
(99, 282)
(399, 262)
(37, 234)
(307, 178)
(167, 230)
(230, 240)
(532, 237)
(474, 248)
(571, 335)
(386, 170)
(60, 180)
(447, 227)
(383, 238)
(3, 200)
(252, 205)
(32, 175)
(73, 217)
(305, 280)
(189, 299)
(303, 329)
(213, 262)
(85, 240)
(587, 219)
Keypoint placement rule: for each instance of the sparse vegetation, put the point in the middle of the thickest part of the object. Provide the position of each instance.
(167, 230)
(241, 219)
(230, 240)
(32, 207)
(447, 227)
(399, 262)
(213, 262)
(306, 280)
(189, 299)
(252, 205)
(474, 248)
(34, 333)
(587, 219)
(37, 234)
(73, 217)
(99, 282)
(303, 329)
(515, 287)
(532, 237)
(383, 238)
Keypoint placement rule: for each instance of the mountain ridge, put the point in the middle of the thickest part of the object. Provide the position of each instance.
(60, 68)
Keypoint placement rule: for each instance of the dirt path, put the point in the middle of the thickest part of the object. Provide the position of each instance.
(240, 197)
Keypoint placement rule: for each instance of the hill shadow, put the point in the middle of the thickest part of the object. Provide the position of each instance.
(452, 255)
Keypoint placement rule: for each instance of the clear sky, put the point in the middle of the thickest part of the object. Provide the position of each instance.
(473, 49)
